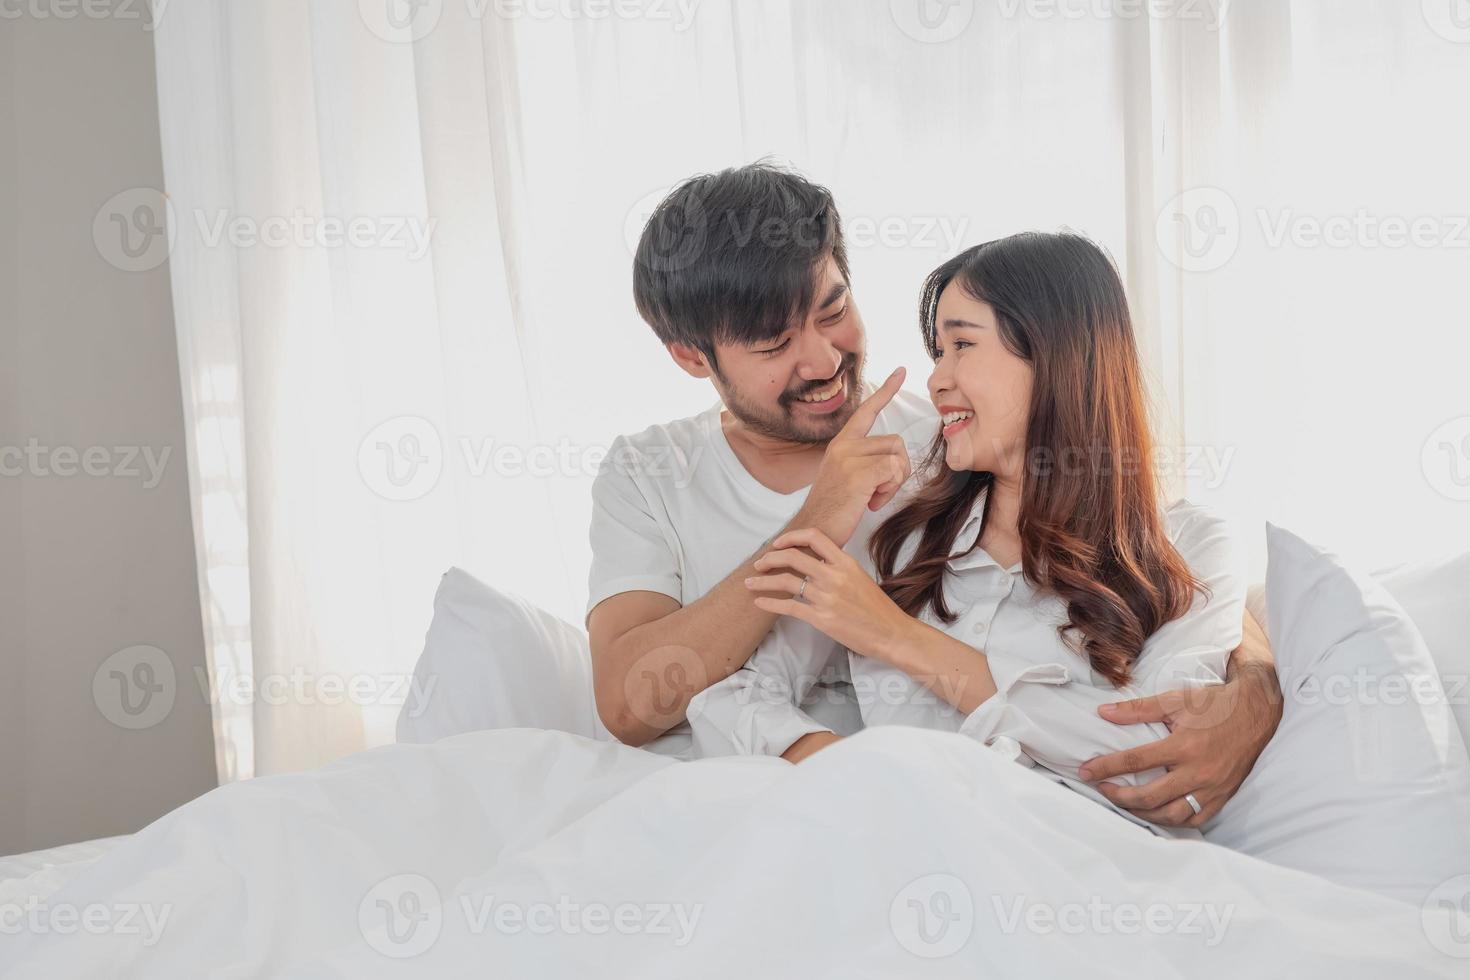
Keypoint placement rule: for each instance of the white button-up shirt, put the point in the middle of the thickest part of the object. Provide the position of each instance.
(1045, 710)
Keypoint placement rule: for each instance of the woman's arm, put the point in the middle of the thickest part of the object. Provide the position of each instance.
(756, 710)
(955, 671)
(834, 594)
(1035, 705)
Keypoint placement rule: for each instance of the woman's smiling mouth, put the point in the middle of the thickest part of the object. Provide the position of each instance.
(954, 419)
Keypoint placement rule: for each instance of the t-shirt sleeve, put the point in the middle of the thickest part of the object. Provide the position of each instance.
(632, 550)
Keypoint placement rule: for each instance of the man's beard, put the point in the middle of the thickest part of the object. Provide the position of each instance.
(786, 424)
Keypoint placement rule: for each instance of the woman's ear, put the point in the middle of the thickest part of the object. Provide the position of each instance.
(690, 359)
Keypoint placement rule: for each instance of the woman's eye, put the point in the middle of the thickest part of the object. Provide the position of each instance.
(962, 344)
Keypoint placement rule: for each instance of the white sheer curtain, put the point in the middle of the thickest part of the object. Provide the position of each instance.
(436, 389)
(1321, 312)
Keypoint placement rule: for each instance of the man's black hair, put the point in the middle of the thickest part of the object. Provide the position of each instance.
(730, 258)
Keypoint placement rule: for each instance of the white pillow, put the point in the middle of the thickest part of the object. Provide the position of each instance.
(1367, 781)
(1436, 595)
(497, 661)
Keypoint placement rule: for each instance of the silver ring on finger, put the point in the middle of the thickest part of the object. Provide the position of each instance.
(1193, 804)
(802, 591)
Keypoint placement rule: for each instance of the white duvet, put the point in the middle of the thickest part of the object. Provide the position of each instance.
(522, 853)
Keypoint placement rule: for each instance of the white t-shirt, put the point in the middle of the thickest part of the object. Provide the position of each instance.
(674, 511)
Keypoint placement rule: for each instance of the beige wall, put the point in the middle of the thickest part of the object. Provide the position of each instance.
(89, 565)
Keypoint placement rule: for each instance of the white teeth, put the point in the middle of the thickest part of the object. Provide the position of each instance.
(950, 418)
(831, 391)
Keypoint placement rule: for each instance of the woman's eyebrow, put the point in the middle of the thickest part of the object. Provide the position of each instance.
(954, 324)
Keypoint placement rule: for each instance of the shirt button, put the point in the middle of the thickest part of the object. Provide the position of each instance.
(981, 627)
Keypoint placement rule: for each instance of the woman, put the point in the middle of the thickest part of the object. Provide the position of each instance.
(1034, 573)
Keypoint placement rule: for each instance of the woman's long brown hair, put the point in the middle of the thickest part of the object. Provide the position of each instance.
(1091, 527)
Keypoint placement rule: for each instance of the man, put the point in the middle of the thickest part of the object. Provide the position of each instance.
(743, 276)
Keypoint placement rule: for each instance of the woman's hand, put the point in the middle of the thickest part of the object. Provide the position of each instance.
(839, 597)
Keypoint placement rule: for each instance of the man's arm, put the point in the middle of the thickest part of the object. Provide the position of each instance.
(1216, 735)
(651, 655)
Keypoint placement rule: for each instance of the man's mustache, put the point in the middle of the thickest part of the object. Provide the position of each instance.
(849, 363)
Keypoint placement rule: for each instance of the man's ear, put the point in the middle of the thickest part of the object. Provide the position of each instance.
(691, 359)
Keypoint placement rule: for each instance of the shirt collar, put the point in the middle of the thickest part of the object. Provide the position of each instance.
(965, 540)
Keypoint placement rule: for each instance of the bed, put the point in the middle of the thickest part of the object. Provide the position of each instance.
(534, 852)
(40, 873)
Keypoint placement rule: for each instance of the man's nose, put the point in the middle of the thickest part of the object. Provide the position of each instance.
(820, 358)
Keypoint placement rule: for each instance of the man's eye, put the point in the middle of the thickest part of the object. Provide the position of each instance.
(777, 349)
(835, 317)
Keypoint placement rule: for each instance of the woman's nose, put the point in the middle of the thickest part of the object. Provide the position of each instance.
(939, 382)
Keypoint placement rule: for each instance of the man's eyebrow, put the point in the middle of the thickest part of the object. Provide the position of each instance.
(833, 295)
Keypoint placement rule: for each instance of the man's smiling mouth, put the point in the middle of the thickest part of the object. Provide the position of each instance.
(827, 399)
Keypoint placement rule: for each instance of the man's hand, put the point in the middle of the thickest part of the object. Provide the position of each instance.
(858, 470)
(805, 746)
(1216, 735)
